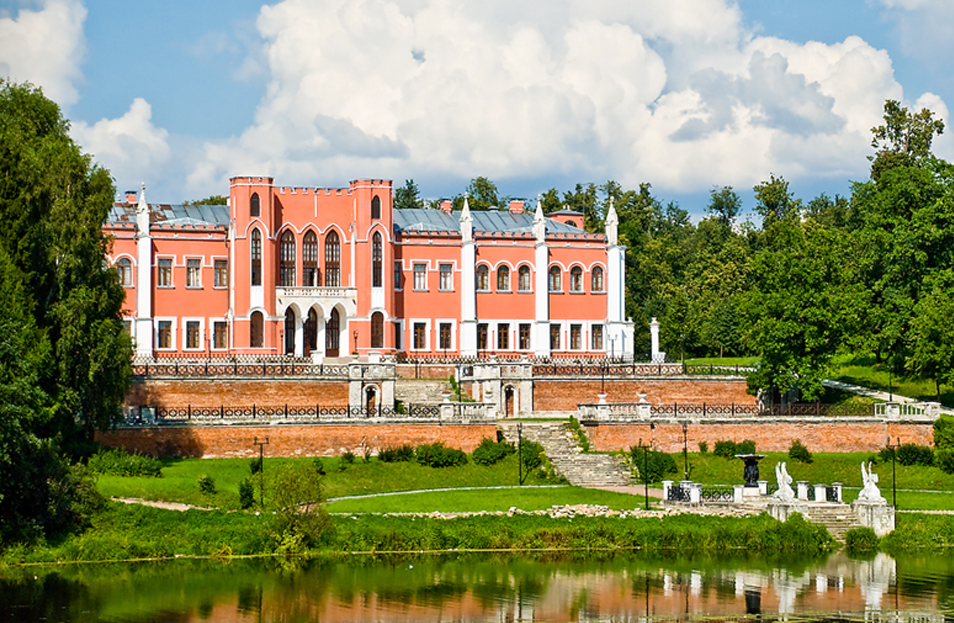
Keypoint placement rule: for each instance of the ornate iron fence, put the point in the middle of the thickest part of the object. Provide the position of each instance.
(717, 494)
(831, 494)
(238, 368)
(678, 494)
(170, 415)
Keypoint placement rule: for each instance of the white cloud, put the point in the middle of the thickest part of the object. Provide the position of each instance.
(45, 47)
(925, 29)
(131, 147)
(675, 93)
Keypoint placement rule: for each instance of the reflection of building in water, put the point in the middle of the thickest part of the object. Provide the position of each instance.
(876, 576)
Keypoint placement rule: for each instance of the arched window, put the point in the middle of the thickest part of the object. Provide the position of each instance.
(256, 330)
(377, 257)
(286, 269)
(124, 270)
(254, 206)
(332, 260)
(555, 279)
(571, 223)
(309, 260)
(483, 278)
(503, 279)
(596, 279)
(576, 279)
(376, 207)
(523, 279)
(377, 330)
(256, 257)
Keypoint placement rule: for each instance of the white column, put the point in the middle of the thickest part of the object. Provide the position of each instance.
(144, 328)
(299, 335)
(620, 332)
(541, 293)
(351, 280)
(654, 339)
(468, 284)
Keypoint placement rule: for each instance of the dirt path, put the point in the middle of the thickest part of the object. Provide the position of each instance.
(172, 506)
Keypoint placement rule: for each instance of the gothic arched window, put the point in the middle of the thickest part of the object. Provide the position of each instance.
(376, 207)
(377, 258)
(256, 257)
(332, 260)
(254, 205)
(309, 260)
(286, 267)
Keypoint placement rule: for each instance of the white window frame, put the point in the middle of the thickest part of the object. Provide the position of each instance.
(582, 336)
(491, 274)
(427, 334)
(220, 259)
(185, 334)
(172, 271)
(510, 276)
(529, 287)
(582, 285)
(453, 333)
(496, 336)
(173, 332)
(603, 279)
(132, 271)
(441, 273)
(195, 286)
(425, 278)
(398, 275)
(212, 323)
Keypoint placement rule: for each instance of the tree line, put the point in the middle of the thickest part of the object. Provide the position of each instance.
(801, 280)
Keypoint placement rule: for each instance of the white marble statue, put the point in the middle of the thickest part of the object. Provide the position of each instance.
(785, 491)
(870, 491)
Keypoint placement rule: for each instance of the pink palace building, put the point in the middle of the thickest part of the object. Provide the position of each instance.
(331, 272)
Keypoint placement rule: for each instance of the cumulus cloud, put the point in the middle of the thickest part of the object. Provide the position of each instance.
(131, 147)
(676, 93)
(45, 47)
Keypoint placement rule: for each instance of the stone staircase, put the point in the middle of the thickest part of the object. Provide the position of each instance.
(420, 391)
(837, 518)
(582, 470)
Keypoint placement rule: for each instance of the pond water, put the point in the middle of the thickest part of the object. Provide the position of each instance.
(470, 588)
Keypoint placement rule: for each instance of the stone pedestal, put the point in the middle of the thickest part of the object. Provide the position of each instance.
(821, 493)
(738, 494)
(783, 510)
(763, 487)
(666, 485)
(802, 490)
(875, 515)
(695, 493)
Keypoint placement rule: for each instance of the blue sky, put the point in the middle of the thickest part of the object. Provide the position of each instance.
(684, 94)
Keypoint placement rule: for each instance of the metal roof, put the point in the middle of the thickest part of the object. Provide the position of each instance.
(209, 215)
(485, 221)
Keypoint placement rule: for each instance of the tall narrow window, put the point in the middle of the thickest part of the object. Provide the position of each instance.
(376, 207)
(309, 260)
(256, 257)
(420, 335)
(596, 279)
(503, 336)
(576, 336)
(524, 337)
(447, 277)
(596, 336)
(256, 330)
(254, 206)
(377, 259)
(124, 269)
(165, 273)
(286, 267)
(482, 336)
(193, 273)
(554, 337)
(445, 336)
(503, 279)
(220, 334)
(221, 273)
(192, 334)
(332, 260)
(398, 276)
(523, 279)
(483, 278)
(420, 277)
(165, 334)
(377, 330)
(555, 279)
(576, 279)
(398, 335)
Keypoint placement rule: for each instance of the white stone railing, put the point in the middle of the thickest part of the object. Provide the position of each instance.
(318, 292)
(908, 410)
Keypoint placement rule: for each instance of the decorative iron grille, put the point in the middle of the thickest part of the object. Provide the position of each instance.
(717, 494)
(678, 494)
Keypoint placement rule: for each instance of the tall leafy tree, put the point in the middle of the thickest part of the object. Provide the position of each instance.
(774, 202)
(482, 194)
(408, 196)
(64, 338)
(725, 204)
(904, 139)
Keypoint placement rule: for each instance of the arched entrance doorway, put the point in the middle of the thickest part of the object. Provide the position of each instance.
(332, 333)
(289, 331)
(371, 401)
(311, 332)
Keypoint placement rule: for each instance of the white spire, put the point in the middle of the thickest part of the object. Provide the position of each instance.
(612, 224)
(466, 222)
(142, 213)
(539, 221)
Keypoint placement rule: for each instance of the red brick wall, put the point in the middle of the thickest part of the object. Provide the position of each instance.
(429, 371)
(313, 440)
(774, 437)
(213, 393)
(564, 395)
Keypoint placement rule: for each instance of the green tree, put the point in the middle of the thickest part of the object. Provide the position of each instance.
(774, 202)
(725, 204)
(408, 197)
(932, 332)
(66, 362)
(211, 200)
(481, 195)
(904, 139)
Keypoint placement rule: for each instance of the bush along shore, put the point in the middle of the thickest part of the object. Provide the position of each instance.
(134, 532)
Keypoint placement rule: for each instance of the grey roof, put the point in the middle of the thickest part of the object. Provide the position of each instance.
(163, 213)
(485, 221)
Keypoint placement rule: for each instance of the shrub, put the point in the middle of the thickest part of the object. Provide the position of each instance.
(798, 452)
(885, 455)
(318, 465)
(246, 493)
(651, 464)
(490, 452)
(299, 522)
(859, 540)
(703, 447)
(255, 465)
(913, 454)
(725, 449)
(404, 453)
(944, 432)
(746, 447)
(580, 434)
(206, 484)
(944, 459)
(531, 454)
(438, 455)
(118, 462)
(347, 457)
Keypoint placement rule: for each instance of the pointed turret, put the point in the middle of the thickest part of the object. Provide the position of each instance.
(539, 222)
(142, 213)
(612, 224)
(466, 222)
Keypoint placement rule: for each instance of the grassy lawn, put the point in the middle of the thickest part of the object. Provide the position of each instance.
(180, 476)
(722, 361)
(862, 370)
(486, 500)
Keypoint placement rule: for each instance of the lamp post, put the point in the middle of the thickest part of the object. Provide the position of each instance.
(261, 466)
(894, 478)
(519, 454)
(645, 450)
(685, 450)
(355, 341)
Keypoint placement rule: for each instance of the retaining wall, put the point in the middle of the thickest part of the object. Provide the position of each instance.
(565, 394)
(822, 436)
(202, 392)
(289, 441)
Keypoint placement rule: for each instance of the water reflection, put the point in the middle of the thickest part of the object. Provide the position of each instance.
(489, 589)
